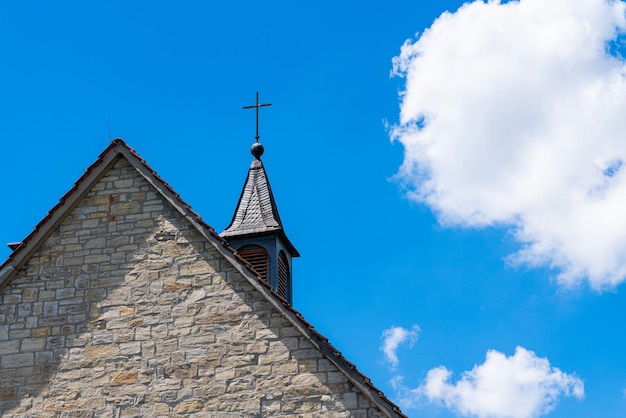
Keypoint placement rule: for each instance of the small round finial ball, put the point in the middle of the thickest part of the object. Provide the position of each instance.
(257, 150)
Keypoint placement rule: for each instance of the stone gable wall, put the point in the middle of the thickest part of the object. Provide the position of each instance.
(126, 311)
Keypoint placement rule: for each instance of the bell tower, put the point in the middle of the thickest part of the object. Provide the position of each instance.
(256, 231)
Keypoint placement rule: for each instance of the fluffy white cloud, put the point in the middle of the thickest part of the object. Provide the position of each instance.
(393, 337)
(519, 386)
(514, 114)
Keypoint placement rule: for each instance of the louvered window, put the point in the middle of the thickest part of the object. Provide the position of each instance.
(258, 257)
(283, 274)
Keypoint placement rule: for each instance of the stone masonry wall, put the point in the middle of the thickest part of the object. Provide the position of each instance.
(126, 311)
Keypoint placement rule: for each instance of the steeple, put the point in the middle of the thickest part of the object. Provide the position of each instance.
(256, 231)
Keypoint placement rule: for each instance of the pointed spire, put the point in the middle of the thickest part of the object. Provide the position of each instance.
(256, 210)
(256, 231)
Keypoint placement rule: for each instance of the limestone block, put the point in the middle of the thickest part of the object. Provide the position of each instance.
(224, 373)
(30, 294)
(59, 406)
(19, 333)
(9, 347)
(127, 310)
(17, 360)
(290, 368)
(124, 208)
(46, 295)
(40, 332)
(336, 377)
(102, 351)
(104, 336)
(324, 365)
(33, 344)
(130, 348)
(124, 377)
(188, 406)
(7, 393)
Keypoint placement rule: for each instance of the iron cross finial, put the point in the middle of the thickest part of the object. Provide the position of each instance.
(257, 106)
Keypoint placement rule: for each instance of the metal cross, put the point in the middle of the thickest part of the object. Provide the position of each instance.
(257, 106)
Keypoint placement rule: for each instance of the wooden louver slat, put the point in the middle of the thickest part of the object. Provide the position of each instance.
(259, 259)
(283, 275)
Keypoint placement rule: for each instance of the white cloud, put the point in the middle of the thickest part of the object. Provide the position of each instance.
(393, 337)
(514, 114)
(519, 386)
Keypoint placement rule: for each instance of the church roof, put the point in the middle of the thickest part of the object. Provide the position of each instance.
(118, 148)
(256, 211)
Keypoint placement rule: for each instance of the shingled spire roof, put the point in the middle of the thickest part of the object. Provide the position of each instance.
(256, 211)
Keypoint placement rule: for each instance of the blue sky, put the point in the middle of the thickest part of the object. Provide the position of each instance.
(492, 221)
